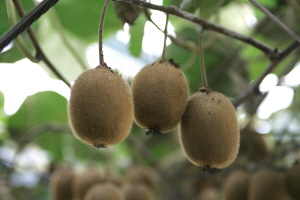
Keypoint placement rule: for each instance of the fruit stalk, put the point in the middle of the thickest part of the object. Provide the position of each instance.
(163, 57)
(201, 56)
(101, 24)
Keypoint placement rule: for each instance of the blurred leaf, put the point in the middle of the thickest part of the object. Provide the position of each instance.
(39, 108)
(136, 36)
(11, 56)
(82, 18)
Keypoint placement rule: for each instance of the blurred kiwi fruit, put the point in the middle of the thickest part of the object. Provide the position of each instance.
(235, 186)
(266, 184)
(160, 93)
(253, 146)
(84, 180)
(141, 175)
(292, 180)
(209, 130)
(101, 107)
(106, 191)
(61, 183)
(138, 192)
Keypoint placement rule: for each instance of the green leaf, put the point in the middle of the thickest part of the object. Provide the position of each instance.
(136, 36)
(39, 108)
(11, 56)
(82, 18)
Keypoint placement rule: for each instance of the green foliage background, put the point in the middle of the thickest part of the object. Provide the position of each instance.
(231, 66)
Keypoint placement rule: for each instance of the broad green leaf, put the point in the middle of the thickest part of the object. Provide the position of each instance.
(39, 108)
(136, 36)
(12, 55)
(82, 18)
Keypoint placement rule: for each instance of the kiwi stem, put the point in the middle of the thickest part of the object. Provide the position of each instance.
(101, 24)
(202, 63)
(163, 57)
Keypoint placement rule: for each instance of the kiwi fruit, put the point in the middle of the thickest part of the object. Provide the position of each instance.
(235, 186)
(209, 132)
(292, 180)
(138, 192)
(101, 107)
(105, 191)
(160, 93)
(141, 175)
(266, 184)
(83, 181)
(61, 183)
(253, 146)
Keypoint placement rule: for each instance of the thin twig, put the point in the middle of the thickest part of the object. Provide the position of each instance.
(39, 52)
(163, 57)
(59, 28)
(237, 101)
(19, 40)
(275, 19)
(210, 26)
(101, 26)
(201, 57)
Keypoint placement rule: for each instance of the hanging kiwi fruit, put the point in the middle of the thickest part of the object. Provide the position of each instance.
(235, 186)
(101, 105)
(106, 191)
(138, 192)
(84, 180)
(160, 94)
(209, 127)
(266, 184)
(61, 183)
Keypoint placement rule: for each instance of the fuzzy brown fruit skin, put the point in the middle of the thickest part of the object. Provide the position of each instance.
(138, 192)
(61, 183)
(160, 93)
(253, 146)
(209, 131)
(266, 185)
(101, 107)
(105, 191)
(83, 181)
(140, 175)
(236, 186)
(292, 181)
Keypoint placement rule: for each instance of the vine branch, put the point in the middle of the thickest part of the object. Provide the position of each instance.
(39, 52)
(101, 24)
(268, 70)
(209, 26)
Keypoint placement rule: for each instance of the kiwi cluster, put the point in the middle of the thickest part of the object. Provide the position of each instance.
(209, 130)
(160, 93)
(92, 184)
(84, 180)
(101, 107)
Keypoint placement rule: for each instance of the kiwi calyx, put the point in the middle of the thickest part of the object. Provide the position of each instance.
(100, 146)
(176, 65)
(207, 90)
(154, 131)
(106, 67)
(210, 170)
